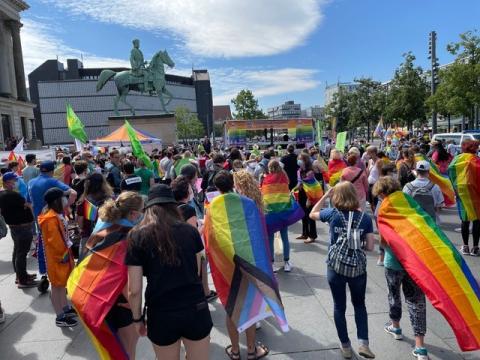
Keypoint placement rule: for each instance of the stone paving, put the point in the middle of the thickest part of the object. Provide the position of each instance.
(30, 332)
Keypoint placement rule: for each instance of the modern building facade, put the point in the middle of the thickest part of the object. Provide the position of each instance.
(315, 112)
(285, 111)
(16, 110)
(52, 86)
(331, 90)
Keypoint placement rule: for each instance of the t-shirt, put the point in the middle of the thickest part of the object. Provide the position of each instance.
(131, 183)
(290, 166)
(170, 287)
(145, 175)
(187, 211)
(37, 188)
(78, 184)
(12, 206)
(30, 172)
(331, 216)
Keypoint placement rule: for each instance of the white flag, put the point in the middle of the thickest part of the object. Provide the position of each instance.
(19, 147)
(78, 145)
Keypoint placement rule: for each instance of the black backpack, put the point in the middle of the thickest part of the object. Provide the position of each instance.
(424, 197)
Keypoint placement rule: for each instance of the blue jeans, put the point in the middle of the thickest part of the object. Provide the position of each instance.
(286, 244)
(357, 286)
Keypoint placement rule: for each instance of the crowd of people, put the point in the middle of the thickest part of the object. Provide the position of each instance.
(77, 204)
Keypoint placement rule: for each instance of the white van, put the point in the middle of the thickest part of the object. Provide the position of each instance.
(457, 137)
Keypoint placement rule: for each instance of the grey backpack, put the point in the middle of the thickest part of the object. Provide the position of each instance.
(424, 197)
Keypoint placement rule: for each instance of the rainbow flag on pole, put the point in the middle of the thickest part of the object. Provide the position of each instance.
(442, 181)
(94, 286)
(281, 209)
(90, 211)
(464, 172)
(434, 263)
(239, 256)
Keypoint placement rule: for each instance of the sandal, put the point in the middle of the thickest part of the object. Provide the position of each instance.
(232, 355)
(255, 356)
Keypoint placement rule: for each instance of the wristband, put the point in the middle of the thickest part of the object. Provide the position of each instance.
(140, 319)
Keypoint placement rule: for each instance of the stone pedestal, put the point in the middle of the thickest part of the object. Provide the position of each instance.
(162, 126)
(34, 144)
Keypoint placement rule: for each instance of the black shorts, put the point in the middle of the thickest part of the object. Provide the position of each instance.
(166, 327)
(119, 317)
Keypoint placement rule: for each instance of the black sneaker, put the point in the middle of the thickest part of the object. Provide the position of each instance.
(70, 313)
(211, 296)
(65, 321)
(43, 284)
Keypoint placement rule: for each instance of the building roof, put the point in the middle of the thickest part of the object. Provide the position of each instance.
(221, 113)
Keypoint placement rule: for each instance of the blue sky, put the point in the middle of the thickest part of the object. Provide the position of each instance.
(280, 49)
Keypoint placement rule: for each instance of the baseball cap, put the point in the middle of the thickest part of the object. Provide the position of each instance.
(9, 176)
(160, 194)
(423, 165)
(47, 166)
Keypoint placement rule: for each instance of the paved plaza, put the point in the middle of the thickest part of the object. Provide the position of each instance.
(30, 332)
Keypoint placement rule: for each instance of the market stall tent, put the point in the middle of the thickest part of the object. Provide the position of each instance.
(119, 137)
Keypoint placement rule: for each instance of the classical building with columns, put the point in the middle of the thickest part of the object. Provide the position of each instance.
(16, 110)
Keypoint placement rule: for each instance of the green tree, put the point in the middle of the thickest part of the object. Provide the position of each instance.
(246, 106)
(218, 129)
(340, 109)
(458, 92)
(188, 124)
(407, 93)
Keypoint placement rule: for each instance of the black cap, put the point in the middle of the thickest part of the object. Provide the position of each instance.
(160, 194)
(53, 194)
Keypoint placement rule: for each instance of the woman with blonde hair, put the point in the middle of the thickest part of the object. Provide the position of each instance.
(346, 260)
(246, 185)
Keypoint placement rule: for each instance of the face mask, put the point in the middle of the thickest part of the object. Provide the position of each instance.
(300, 163)
(137, 220)
(64, 202)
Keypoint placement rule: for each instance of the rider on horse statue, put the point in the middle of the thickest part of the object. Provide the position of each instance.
(138, 63)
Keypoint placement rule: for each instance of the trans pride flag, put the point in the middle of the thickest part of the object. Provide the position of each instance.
(464, 172)
(94, 286)
(281, 209)
(434, 263)
(239, 256)
(442, 181)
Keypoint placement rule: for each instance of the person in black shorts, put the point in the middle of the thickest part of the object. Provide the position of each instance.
(168, 252)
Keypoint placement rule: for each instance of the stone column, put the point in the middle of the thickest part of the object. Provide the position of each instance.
(5, 88)
(18, 60)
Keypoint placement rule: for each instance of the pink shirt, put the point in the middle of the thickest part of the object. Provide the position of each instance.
(361, 184)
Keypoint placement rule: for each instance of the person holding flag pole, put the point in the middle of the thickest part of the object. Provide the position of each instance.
(76, 128)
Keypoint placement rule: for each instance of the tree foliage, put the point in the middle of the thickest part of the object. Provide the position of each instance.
(246, 106)
(459, 89)
(340, 108)
(188, 124)
(407, 93)
(367, 103)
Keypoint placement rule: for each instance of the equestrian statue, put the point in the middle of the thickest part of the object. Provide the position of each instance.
(143, 77)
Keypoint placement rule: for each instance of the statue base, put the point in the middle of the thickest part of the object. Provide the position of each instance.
(161, 125)
(34, 144)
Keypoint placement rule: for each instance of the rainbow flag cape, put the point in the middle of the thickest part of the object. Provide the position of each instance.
(442, 181)
(239, 256)
(313, 189)
(334, 174)
(281, 209)
(90, 211)
(59, 172)
(464, 172)
(94, 286)
(434, 263)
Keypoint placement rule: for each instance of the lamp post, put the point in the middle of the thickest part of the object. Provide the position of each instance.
(432, 52)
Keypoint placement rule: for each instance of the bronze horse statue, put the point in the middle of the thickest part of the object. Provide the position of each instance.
(125, 81)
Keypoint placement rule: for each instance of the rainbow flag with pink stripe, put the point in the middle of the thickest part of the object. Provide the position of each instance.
(281, 209)
(239, 257)
(442, 181)
(434, 263)
(90, 211)
(464, 172)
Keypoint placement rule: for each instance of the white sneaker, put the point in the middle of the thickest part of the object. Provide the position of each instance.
(347, 353)
(287, 267)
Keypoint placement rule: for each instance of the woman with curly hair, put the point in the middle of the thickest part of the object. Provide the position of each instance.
(246, 185)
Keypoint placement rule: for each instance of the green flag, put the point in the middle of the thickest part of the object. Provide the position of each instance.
(341, 140)
(75, 126)
(319, 134)
(137, 148)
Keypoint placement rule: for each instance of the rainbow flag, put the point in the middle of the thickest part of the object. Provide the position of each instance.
(434, 263)
(442, 181)
(313, 189)
(94, 286)
(464, 172)
(281, 209)
(335, 168)
(239, 256)
(59, 172)
(90, 211)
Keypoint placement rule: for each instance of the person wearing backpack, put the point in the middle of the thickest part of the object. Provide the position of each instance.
(346, 260)
(398, 279)
(427, 194)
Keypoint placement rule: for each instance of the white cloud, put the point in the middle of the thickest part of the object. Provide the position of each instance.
(228, 82)
(40, 44)
(212, 28)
